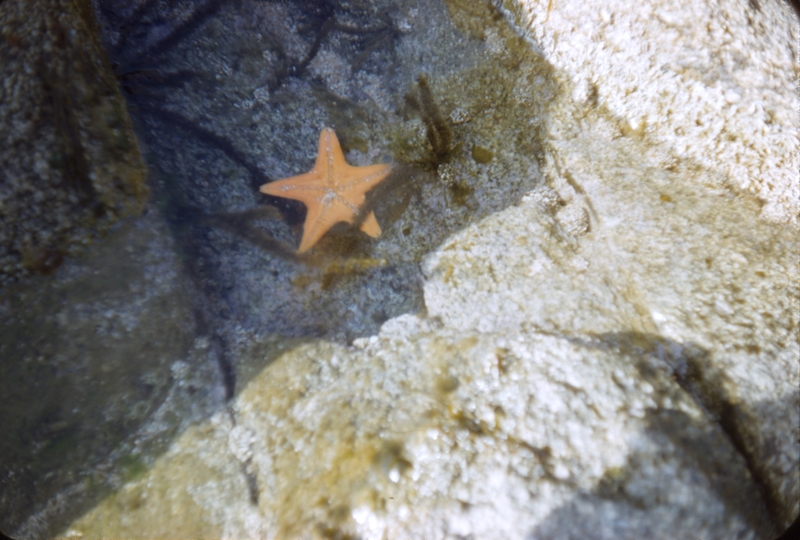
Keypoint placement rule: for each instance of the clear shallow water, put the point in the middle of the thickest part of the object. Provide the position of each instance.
(143, 335)
(172, 315)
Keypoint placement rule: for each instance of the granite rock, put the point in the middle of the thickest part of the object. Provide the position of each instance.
(426, 432)
(70, 166)
(705, 85)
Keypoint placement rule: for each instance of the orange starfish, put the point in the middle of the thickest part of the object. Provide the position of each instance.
(332, 191)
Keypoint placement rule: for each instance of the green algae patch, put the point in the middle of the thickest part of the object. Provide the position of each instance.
(158, 505)
(132, 467)
(482, 155)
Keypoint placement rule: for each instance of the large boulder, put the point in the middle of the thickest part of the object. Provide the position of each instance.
(429, 432)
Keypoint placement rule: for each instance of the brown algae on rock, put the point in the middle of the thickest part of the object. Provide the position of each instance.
(482, 155)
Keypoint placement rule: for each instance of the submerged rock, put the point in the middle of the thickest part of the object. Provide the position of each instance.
(69, 161)
(686, 161)
(100, 366)
(705, 86)
(614, 356)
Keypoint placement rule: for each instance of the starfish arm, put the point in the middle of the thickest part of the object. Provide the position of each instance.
(313, 228)
(370, 226)
(320, 218)
(304, 188)
(330, 159)
(364, 178)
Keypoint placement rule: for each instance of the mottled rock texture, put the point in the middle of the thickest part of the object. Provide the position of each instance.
(434, 433)
(608, 349)
(687, 134)
(706, 85)
(100, 365)
(69, 162)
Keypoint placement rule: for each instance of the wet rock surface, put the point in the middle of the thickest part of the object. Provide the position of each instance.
(579, 322)
(426, 432)
(741, 307)
(223, 112)
(102, 365)
(70, 164)
(709, 94)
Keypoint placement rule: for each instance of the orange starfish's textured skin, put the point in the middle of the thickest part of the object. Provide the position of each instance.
(332, 191)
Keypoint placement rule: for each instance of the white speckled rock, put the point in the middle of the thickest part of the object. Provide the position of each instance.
(675, 262)
(708, 84)
(433, 433)
(680, 244)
